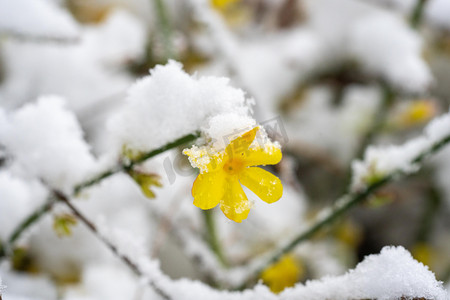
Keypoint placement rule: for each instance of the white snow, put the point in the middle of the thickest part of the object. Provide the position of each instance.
(46, 142)
(392, 274)
(386, 46)
(169, 104)
(384, 160)
(18, 199)
(87, 73)
(22, 286)
(36, 19)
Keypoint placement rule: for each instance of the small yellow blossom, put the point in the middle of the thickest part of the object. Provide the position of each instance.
(284, 273)
(417, 112)
(222, 173)
(222, 4)
(423, 253)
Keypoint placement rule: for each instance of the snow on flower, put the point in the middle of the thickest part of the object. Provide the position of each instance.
(223, 172)
(170, 103)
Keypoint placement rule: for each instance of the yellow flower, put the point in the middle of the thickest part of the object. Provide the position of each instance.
(284, 273)
(222, 4)
(417, 112)
(222, 173)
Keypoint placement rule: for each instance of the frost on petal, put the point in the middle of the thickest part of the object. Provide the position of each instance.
(205, 158)
(264, 184)
(266, 153)
(234, 203)
(47, 142)
(36, 18)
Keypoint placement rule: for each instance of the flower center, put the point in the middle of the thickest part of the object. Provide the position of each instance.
(233, 166)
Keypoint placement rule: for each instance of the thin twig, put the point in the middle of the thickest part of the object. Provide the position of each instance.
(35, 216)
(63, 198)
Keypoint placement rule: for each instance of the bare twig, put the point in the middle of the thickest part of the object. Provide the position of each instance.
(64, 199)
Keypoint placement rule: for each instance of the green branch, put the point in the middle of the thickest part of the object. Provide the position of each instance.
(341, 207)
(417, 13)
(165, 27)
(35, 216)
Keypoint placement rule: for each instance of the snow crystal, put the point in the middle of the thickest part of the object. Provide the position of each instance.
(384, 160)
(392, 274)
(47, 142)
(36, 19)
(386, 46)
(169, 104)
(18, 199)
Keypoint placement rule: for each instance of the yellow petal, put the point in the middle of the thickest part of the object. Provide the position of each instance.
(264, 184)
(234, 203)
(205, 158)
(240, 145)
(269, 154)
(208, 189)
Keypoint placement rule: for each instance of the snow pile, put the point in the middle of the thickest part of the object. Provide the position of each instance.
(169, 104)
(19, 199)
(21, 286)
(379, 42)
(47, 142)
(392, 274)
(384, 45)
(87, 73)
(437, 13)
(380, 161)
(36, 19)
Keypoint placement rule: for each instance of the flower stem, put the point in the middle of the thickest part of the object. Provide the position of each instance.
(341, 207)
(212, 236)
(35, 216)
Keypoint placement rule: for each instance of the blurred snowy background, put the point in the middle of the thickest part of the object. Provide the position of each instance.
(328, 79)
